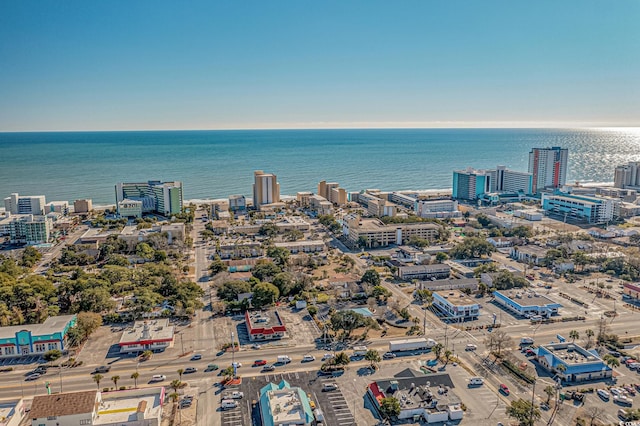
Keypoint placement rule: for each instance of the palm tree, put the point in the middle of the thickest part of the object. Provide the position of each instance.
(174, 396)
(228, 373)
(447, 356)
(550, 391)
(177, 384)
(590, 335)
(115, 381)
(341, 359)
(611, 361)
(180, 371)
(135, 376)
(573, 335)
(560, 369)
(97, 378)
(373, 357)
(437, 350)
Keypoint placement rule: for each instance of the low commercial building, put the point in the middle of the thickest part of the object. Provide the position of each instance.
(448, 284)
(500, 242)
(133, 407)
(429, 397)
(411, 254)
(266, 325)
(303, 246)
(631, 291)
(579, 364)
(375, 233)
(282, 405)
(424, 272)
(12, 412)
(35, 339)
(130, 208)
(456, 305)
(154, 335)
(529, 254)
(530, 215)
(522, 302)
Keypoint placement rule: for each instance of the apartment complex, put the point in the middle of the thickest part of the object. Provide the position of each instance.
(27, 229)
(378, 234)
(266, 189)
(548, 167)
(627, 176)
(16, 204)
(580, 207)
(332, 192)
(163, 198)
(237, 203)
(437, 209)
(471, 184)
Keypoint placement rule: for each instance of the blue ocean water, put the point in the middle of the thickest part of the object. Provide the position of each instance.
(214, 164)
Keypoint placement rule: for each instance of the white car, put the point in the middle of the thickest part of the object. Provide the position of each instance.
(308, 358)
(236, 364)
(616, 391)
(604, 394)
(158, 378)
(327, 356)
(389, 355)
(622, 400)
(470, 347)
(255, 346)
(236, 395)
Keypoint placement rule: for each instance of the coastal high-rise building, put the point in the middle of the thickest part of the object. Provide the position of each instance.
(470, 184)
(627, 176)
(27, 228)
(548, 167)
(266, 189)
(332, 192)
(164, 198)
(82, 206)
(505, 180)
(16, 204)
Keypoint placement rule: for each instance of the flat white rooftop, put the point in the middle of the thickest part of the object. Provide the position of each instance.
(286, 407)
(122, 407)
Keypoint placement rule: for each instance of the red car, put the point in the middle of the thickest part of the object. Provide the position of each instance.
(504, 389)
(260, 362)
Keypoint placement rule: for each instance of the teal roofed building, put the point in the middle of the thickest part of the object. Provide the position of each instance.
(282, 405)
(35, 339)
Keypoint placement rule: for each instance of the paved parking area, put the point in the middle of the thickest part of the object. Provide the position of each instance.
(333, 404)
(234, 416)
(302, 330)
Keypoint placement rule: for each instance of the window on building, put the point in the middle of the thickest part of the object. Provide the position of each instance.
(40, 347)
(52, 346)
(9, 350)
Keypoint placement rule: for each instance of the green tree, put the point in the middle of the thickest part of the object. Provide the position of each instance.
(264, 294)
(230, 290)
(523, 411)
(97, 378)
(341, 358)
(380, 292)
(312, 310)
(285, 283)
(217, 266)
(471, 248)
(611, 361)
(180, 373)
(145, 251)
(437, 350)
(52, 355)
(371, 277)
(115, 379)
(589, 343)
(483, 220)
(347, 321)
(389, 407)
(135, 375)
(280, 255)
(265, 271)
(441, 257)
(506, 280)
(373, 357)
(268, 229)
(573, 335)
(30, 256)
(227, 373)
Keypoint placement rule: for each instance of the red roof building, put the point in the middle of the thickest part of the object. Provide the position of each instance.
(265, 325)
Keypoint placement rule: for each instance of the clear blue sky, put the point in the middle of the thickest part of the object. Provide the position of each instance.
(103, 65)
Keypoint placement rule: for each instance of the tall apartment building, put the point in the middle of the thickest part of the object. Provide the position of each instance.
(505, 180)
(27, 229)
(470, 184)
(332, 192)
(548, 167)
(580, 207)
(266, 189)
(82, 206)
(16, 204)
(164, 198)
(627, 175)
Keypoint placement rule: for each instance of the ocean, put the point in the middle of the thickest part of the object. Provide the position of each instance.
(215, 164)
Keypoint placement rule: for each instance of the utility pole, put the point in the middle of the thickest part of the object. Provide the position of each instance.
(533, 394)
(233, 355)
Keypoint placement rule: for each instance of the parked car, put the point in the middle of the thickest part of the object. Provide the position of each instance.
(259, 362)
(504, 389)
(236, 395)
(622, 400)
(388, 355)
(190, 370)
(476, 381)
(255, 346)
(228, 404)
(616, 391)
(329, 387)
(327, 356)
(196, 357)
(603, 394)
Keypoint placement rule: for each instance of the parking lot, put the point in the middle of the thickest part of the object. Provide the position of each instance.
(333, 404)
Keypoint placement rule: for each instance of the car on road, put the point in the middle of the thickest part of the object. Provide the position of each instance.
(39, 370)
(255, 346)
(388, 355)
(158, 378)
(212, 367)
(504, 389)
(259, 362)
(470, 347)
(308, 358)
(268, 368)
(102, 369)
(196, 357)
(327, 356)
(190, 370)
(603, 394)
(34, 376)
(236, 364)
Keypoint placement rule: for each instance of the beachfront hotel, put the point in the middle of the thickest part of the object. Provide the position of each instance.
(471, 184)
(627, 175)
(266, 189)
(548, 167)
(164, 198)
(16, 204)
